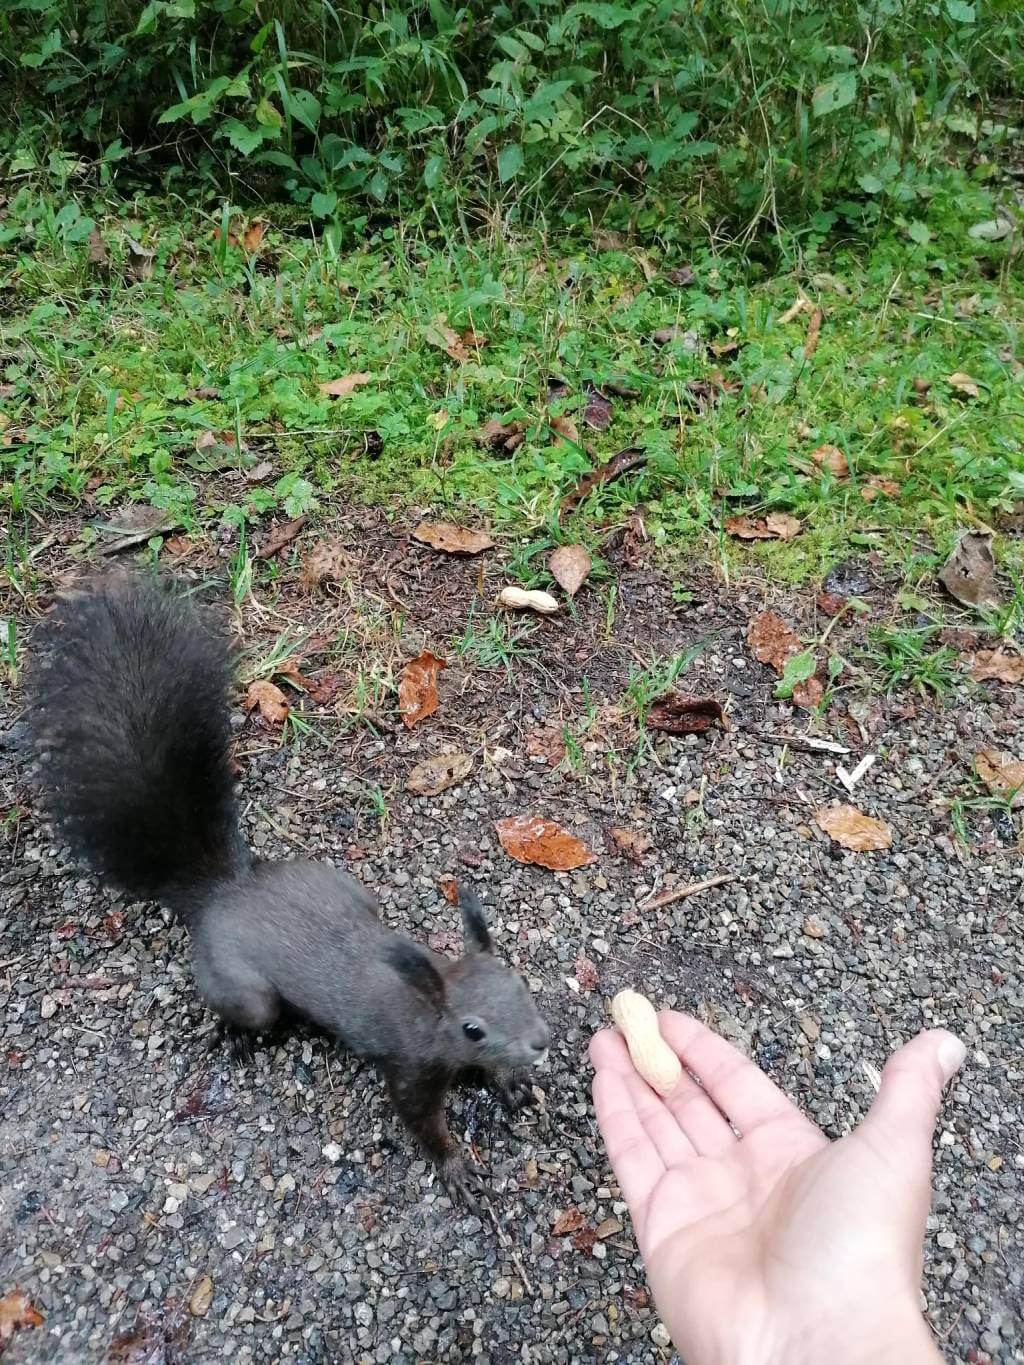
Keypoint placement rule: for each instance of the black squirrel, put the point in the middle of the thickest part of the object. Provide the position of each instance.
(130, 710)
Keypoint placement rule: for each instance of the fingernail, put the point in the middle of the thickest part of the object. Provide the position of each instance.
(951, 1056)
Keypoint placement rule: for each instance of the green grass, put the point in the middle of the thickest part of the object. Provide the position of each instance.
(112, 376)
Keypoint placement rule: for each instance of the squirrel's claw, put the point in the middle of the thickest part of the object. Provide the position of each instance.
(516, 1094)
(463, 1184)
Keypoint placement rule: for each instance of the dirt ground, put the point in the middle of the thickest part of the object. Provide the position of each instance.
(163, 1201)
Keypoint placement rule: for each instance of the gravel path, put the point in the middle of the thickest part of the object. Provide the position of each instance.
(161, 1201)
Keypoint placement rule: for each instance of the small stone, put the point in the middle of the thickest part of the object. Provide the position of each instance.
(660, 1336)
(946, 1240)
(48, 1008)
(333, 1152)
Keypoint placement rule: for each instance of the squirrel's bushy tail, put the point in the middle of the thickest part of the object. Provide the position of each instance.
(131, 712)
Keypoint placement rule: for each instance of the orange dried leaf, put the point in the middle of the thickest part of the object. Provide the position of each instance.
(876, 486)
(270, 700)
(775, 526)
(417, 689)
(809, 693)
(963, 383)
(446, 339)
(450, 890)
(630, 842)
(452, 540)
(813, 333)
(831, 458)
(586, 974)
(341, 388)
(532, 839)
(252, 237)
(566, 428)
(1002, 774)
(996, 665)
(568, 1222)
(771, 641)
(849, 828)
(16, 1311)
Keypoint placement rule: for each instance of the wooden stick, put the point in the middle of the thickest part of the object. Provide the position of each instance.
(668, 897)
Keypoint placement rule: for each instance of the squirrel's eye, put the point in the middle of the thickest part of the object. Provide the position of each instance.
(474, 1031)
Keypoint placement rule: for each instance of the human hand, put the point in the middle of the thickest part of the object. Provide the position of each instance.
(763, 1241)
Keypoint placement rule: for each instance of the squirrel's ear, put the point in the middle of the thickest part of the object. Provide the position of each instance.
(476, 936)
(415, 967)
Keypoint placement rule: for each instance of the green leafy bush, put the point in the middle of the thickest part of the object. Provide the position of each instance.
(759, 111)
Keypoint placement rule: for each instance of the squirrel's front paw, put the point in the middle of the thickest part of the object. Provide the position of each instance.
(515, 1093)
(462, 1183)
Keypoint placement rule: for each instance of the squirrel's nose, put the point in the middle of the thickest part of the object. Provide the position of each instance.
(541, 1039)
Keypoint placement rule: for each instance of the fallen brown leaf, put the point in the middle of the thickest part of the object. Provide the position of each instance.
(876, 486)
(831, 458)
(201, 1297)
(775, 526)
(610, 1227)
(252, 237)
(849, 828)
(570, 567)
(450, 890)
(1002, 774)
(830, 603)
(280, 538)
(271, 701)
(346, 384)
(16, 1311)
(813, 333)
(547, 744)
(630, 842)
(438, 773)
(963, 383)
(532, 839)
(996, 665)
(324, 689)
(598, 411)
(327, 562)
(566, 428)
(446, 339)
(586, 974)
(809, 693)
(969, 575)
(679, 714)
(417, 688)
(452, 540)
(621, 463)
(720, 349)
(568, 1222)
(501, 437)
(771, 641)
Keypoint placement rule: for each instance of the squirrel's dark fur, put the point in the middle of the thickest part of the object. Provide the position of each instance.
(130, 711)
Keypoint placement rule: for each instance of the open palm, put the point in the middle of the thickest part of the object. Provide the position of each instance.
(763, 1240)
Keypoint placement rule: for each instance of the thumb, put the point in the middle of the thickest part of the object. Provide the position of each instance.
(904, 1113)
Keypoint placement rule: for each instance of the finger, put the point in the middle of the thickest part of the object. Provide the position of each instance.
(740, 1089)
(610, 1055)
(633, 1156)
(903, 1115)
(700, 1119)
